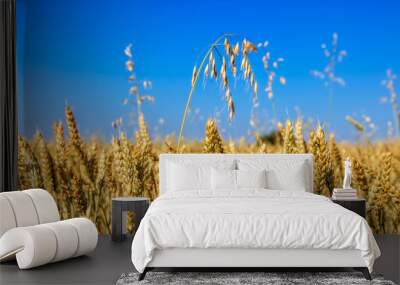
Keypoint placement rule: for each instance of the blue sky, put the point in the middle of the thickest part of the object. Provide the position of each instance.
(72, 52)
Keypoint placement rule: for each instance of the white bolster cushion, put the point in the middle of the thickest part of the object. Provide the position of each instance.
(33, 246)
(23, 208)
(7, 218)
(26, 208)
(66, 238)
(37, 245)
(46, 207)
(87, 234)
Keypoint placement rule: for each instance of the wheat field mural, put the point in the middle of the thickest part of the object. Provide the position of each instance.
(83, 175)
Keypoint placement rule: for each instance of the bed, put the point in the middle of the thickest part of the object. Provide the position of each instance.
(253, 210)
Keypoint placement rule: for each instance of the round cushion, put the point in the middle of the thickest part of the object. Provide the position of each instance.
(23, 208)
(66, 238)
(33, 246)
(7, 220)
(87, 234)
(46, 207)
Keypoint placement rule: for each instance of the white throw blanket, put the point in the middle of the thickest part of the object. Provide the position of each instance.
(250, 219)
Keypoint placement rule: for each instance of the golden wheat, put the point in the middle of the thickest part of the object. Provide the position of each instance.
(46, 166)
(84, 175)
(360, 180)
(336, 160)
(288, 141)
(23, 172)
(324, 168)
(212, 140)
(300, 142)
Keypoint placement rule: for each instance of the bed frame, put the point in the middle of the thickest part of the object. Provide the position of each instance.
(249, 259)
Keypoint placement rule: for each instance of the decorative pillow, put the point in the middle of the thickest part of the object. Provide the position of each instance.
(181, 177)
(282, 174)
(223, 179)
(251, 178)
(186, 175)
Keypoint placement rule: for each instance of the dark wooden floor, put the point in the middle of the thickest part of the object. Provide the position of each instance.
(110, 259)
(103, 266)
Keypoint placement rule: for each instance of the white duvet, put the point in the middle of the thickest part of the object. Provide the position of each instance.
(250, 219)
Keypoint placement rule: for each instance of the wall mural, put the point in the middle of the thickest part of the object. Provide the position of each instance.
(236, 99)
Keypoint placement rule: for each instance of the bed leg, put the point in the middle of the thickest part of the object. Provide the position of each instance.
(143, 274)
(364, 271)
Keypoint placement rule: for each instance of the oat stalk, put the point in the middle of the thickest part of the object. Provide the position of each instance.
(194, 84)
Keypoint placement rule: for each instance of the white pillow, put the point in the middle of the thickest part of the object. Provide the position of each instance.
(251, 178)
(181, 177)
(282, 174)
(189, 175)
(223, 179)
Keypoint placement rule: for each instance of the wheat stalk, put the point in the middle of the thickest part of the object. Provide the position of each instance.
(359, 178)
(300, 142)
(212, 140)
(22, 164)
(280, 133)
(289, 142)
(144, 170)
(62, 171)
(73, 131)
(336, 159)
(46, 167)
(325, 182)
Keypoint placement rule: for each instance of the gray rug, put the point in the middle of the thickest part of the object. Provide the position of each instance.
(229, 278)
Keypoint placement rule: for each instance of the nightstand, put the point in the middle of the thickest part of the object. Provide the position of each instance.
(120, 206)
(357, 205)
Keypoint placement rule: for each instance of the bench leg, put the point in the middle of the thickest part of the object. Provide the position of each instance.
(143, 274)
(364, 271)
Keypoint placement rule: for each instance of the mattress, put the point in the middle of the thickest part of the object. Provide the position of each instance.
(250, 219)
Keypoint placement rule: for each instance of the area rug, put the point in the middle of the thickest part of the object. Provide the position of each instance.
(273, 278)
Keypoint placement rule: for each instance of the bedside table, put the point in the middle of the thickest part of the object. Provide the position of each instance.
(119, 207)
(357, 205)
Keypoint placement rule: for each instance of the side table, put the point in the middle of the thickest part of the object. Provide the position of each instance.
(119, 208)
(357, 205)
